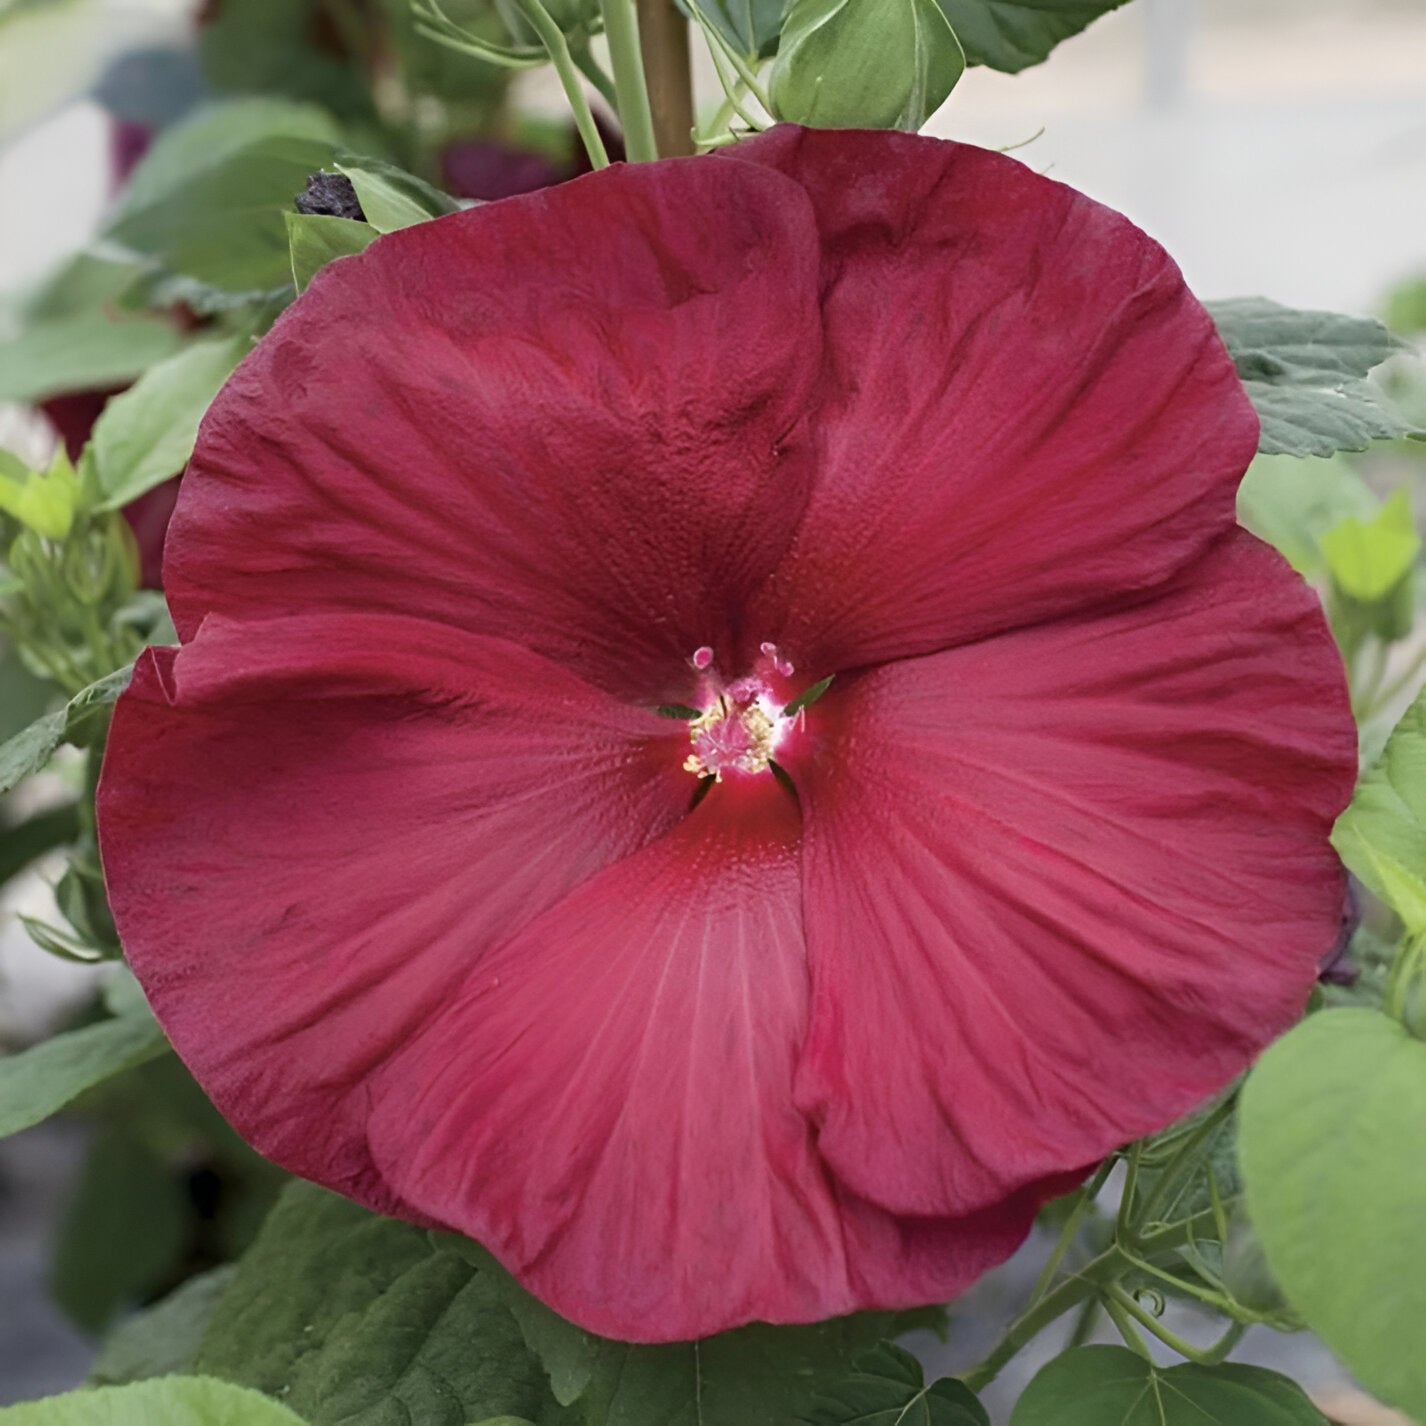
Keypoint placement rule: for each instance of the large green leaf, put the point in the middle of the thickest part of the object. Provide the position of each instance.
(886, 1387)
(146, 434)
(1333, 1147)
(1382, 834)
(223, 224)
(1306, 375)
(269, 47)
(205, 139)
(165, 1401)
(123, 1232)
(40, 1081)
(755, 1376)
(1014, 34)
(1112, 1386)
(82, 351)
(356, 1320)
(163, 1338)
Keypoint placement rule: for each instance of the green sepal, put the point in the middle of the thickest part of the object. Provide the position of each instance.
(315, 239)
(808, 696)
(390, 197)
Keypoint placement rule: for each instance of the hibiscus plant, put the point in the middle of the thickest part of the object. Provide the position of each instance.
(719, 740)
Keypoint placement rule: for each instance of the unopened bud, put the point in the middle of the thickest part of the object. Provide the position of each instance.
(864, 64)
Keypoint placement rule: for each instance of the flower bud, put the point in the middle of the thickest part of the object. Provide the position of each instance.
(864, 64)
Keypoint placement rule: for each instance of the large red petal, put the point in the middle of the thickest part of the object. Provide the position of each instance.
(608, 1104)
(1024, 410)
(1063, 884)
(569, 419)
(313, 829)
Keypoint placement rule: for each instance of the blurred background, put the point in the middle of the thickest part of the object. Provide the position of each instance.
(1273, 146)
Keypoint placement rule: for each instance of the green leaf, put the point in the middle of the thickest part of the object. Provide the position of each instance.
(43, 501)
(77, 722)
(1382, 834)
(751, 27)
(123, 1232)
(82, 351)
(316, 239)
(356, 1320)
(1291, 503)
(29, 750)
(886, 1387)
(268, 47)
(390, 197)
(1368, 558)
(755, 1376)
(40, 833)
(184, 152)
(1333, 1149)
(1306, 375)
(164, 1338)
(146, 434)
(876, 64)
(165, 1401)
(1112, 1386)
(1012, 35)
(40, 1081)
(224, 224)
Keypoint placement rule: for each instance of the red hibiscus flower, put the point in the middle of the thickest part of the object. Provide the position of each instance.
(771, 1013)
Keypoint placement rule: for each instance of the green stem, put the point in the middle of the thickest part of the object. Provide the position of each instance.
(552, 37)
(626, 58)
(1132, 1156)
(716, 43)
(1366, 683)
(596, 74)
(1382, 698)
(1083, 1204)
(732, 90)
(1087, 1283)
(1125, 1323)
(1147, 1244)
(1403, 971)
(1084, 1324)
(1171, 1179)
(433, 23)
(1203, 1356)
